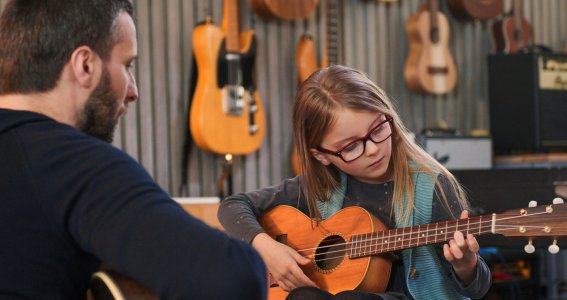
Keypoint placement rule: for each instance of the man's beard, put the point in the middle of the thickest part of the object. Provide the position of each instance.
(99, 115)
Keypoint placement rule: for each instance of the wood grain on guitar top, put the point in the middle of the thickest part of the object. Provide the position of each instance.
(429, 66)
(227, 114)
(330, 271)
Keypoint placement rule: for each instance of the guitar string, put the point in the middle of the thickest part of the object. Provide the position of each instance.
(343, 252)
(454, 226)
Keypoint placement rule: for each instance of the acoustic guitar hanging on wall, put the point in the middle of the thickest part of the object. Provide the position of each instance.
(226, 111)
(512, 33)
(429, 66)
(306, 56)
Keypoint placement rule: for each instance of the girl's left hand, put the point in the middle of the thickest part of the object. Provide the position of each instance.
(461, 253)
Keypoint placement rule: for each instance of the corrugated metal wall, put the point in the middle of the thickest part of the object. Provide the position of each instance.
(373, 39)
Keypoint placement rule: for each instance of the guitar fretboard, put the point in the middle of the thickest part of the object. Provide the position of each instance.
(403, 238)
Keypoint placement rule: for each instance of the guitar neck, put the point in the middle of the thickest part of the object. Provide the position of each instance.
(230, 25)
(361, 245)
(517, 15)
(332, 32)
(433, 7)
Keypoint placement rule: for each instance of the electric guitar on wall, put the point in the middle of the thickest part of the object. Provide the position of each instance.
(226, 111)
(429, 66)
(306, 56)
(350, 249)
(513, 32)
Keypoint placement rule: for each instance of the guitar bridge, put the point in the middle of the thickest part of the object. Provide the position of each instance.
(233, 100)
(437, 70)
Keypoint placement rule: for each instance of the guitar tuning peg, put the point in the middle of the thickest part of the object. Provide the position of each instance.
(557, 200)
(553, 249)
(532, 203)
(529, 248)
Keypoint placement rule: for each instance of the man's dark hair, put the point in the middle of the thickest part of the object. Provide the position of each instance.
(37, 38)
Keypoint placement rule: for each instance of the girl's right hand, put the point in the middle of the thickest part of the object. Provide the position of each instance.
(282, 262)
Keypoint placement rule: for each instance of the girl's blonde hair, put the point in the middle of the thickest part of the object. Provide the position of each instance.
(314, 109)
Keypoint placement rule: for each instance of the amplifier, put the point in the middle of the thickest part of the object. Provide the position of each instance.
(528, 101)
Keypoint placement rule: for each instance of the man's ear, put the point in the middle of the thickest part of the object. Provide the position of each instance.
(86, 66)
(321, 157)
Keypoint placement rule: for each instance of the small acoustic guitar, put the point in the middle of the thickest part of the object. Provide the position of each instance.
(513, 32)
(349, 250)
(226, 115)
(429, 66)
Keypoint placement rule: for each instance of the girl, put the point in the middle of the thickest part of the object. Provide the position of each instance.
(354, 152)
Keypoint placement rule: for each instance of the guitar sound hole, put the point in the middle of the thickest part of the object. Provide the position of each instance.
(330, 252)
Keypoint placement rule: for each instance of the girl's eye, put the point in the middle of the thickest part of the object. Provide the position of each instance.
(350, 147)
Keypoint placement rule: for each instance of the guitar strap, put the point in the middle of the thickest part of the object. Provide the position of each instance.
(336, 199)
(423, 269)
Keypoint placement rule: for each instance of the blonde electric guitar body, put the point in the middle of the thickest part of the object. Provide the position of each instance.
(227, 115)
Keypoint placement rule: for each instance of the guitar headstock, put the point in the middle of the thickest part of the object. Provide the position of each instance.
(543, 221)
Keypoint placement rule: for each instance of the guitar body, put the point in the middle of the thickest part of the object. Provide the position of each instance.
(506, 37)
(476, 9)
(219, 123)
(333, 271)
(283, 9)
(110, 285)
(429, 67)
(306, 58)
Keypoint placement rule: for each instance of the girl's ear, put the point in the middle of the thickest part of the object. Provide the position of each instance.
(321, 157)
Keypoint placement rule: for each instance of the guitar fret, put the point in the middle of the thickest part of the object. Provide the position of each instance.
(403, 237)
(418, 234)
(355, 246)
(363, 245)
(479, 225)
(388, 241)
(446, 223)
(376, 241)
(358, 245)
(366, 244)
(383, 242)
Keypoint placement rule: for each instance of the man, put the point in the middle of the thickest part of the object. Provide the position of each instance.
(68, 199)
